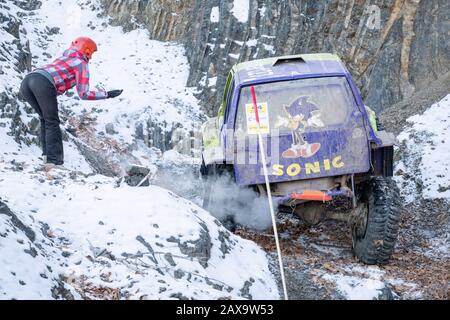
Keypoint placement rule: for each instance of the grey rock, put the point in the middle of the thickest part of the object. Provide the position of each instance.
(109, 128)
(179, 296)
(17, 222)
(224, 238)
(199, 249)
(99, 161)
(135, 174)
(386, 294)
(178, 274)
(59, 291)
(136, 170)
(169, 258)
(32, 252)
(245, 290)
(162, 289)
(28, 4)
(149, 248)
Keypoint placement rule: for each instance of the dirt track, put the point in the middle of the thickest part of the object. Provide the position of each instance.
(320, 264)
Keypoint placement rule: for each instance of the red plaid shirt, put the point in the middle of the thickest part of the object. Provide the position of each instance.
(72, 69)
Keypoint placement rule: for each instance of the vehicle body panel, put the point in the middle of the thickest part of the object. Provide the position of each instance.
(344, 149)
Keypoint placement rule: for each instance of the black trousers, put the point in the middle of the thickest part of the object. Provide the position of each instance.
(40, 93)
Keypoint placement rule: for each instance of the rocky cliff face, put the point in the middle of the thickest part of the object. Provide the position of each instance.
(16, 57)
(392, 47)
(165, 19)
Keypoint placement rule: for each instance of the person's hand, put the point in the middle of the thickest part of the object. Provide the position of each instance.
(114, 93)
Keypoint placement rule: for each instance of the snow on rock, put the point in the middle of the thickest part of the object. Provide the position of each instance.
(241, 10)
(153, 75)
(358, 282)
(425, 167)
(135, 242)
(215, 16)
(25, 273)
(355, 288)
(10, 47)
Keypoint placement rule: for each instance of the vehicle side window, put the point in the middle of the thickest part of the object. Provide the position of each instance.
(228, 100)
(221, 112)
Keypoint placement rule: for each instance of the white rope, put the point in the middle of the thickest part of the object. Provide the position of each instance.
(269, 197)
(272, 213)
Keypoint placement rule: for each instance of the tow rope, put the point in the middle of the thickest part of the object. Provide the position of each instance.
(269, 193)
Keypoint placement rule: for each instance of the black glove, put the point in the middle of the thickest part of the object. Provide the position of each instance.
(114, 93)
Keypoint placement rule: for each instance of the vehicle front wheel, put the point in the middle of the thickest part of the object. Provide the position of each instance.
(375, 233)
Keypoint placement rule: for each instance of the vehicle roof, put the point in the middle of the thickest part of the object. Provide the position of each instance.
(294, 66)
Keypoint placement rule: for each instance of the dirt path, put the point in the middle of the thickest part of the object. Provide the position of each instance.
(320, 263)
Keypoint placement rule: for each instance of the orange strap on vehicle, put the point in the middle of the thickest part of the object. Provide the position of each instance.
(315, 195)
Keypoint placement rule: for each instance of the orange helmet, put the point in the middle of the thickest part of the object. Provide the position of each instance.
(85, 45)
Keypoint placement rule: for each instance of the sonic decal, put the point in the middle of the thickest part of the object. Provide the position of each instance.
(295, 169)
(301, 115)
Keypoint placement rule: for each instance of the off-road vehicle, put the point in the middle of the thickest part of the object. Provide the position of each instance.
(323, 147)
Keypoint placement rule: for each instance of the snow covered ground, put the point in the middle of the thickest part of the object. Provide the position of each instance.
(83, 235)
(241, 9)
(422, 173)
(135, 242)
(426, 170)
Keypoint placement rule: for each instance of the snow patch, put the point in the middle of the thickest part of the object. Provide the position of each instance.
(212, 81)
(355, 288)
(251, 42)
(427, 152)
(127, 239)
(269, 48)
(215, 15)
(262, 11)
(241, 10)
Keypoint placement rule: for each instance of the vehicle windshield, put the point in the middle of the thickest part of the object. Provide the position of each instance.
(314, 104)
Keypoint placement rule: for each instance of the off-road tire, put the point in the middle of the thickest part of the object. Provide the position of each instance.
(375, 244)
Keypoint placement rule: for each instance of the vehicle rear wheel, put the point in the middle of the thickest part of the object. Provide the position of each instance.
(375, 233)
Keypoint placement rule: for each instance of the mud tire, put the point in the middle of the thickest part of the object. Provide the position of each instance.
(375, 243)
